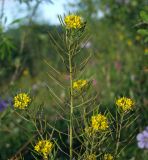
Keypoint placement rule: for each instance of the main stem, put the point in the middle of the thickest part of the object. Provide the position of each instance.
(71, 105)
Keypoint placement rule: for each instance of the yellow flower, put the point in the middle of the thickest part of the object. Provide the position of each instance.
(73, 21)
(78, 85)
(91, 157)
(125, 103)
(26, 72)
(108, 157)
(129, 43)
(44, 147)
(99, 122)
(138, 38)
(146, 50)
(21, 101)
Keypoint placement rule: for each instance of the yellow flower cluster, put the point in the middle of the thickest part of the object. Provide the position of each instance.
(78, 85)
(73, 22)
(108, 157)
(99, 122)
(125, 103)
(21, 101)
(91, 157)
(44, 147)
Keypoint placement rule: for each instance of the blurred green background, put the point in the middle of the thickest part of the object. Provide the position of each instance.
(119, 46)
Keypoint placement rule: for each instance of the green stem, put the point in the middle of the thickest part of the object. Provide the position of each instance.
(92, 145)
(71, 105)
(119, 134)
(84, 112)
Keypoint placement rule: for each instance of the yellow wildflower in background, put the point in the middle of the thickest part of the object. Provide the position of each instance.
(108, 157)
(146, 50)
(21, 100)
(125, 103)
(78, 85)
(129, 43)
(99, 122)
(26, 72)
(73, 21)
(138, 38)
(44, 147)
(91, 157)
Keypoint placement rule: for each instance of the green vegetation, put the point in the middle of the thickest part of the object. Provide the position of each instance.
(116, 65)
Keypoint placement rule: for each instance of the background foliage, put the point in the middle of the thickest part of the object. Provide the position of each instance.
(118, 44)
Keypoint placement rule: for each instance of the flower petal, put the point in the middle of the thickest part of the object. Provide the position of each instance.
(140, 137)
(141, 145)
(145, 134)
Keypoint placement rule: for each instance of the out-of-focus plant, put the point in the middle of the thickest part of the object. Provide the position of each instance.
(91, 132)
(143, 30)
(16, 52)
(6, 46)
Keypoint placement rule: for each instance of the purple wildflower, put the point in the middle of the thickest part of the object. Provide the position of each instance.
(4, 104)
(142, 139)
(94, 82)
(118, 65)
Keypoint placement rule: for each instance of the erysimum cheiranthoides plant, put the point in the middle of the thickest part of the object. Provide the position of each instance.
(91, 133)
